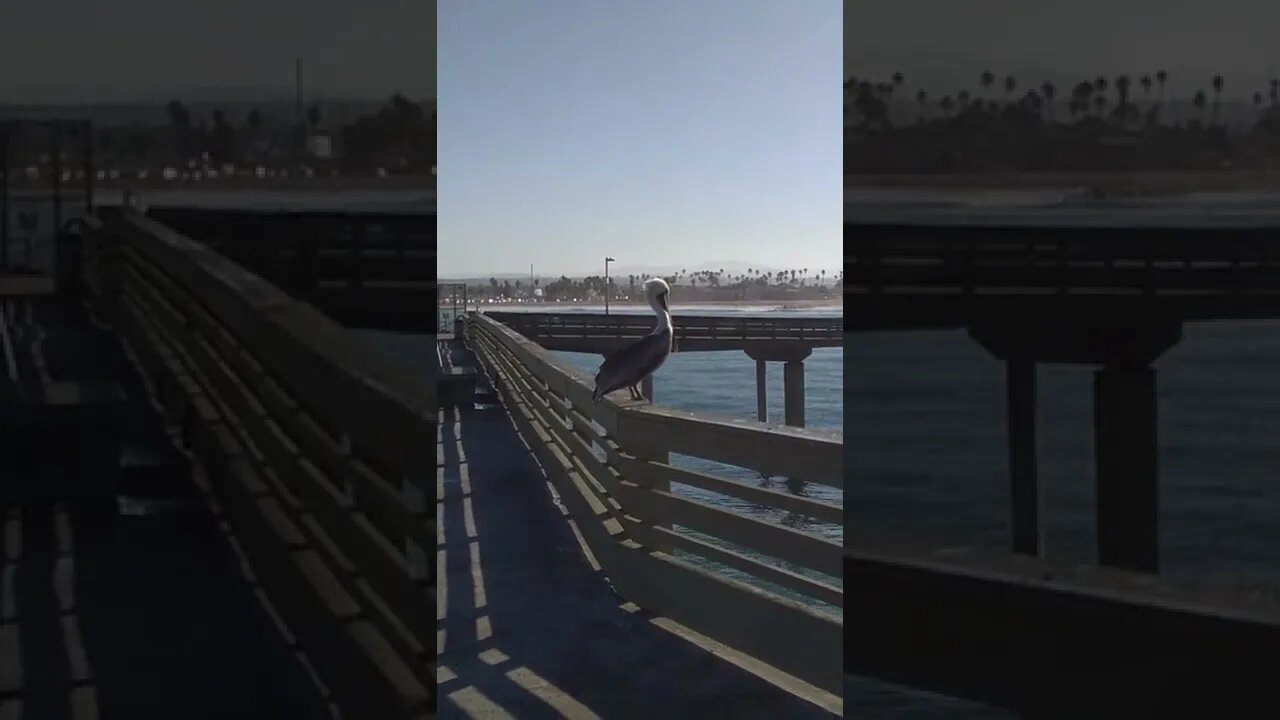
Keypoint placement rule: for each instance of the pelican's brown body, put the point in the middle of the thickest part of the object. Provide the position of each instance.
(627, 367)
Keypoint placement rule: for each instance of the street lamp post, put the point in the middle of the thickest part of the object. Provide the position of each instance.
(607, 260)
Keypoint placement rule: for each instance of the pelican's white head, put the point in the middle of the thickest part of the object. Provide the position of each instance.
(656, 292)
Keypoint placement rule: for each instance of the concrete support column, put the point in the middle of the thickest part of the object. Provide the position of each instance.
(762, 394)
(646, 388)
(1126, 450)
(793, 392)
(1024, 494)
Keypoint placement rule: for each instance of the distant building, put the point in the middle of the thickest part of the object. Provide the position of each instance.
(320, 146)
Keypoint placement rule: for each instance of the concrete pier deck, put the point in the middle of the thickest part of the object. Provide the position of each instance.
(530, 626)
(123, 595)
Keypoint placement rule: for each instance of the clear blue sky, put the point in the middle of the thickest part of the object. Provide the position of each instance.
(670, 132)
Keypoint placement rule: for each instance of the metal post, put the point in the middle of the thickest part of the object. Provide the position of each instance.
(57, 175)
(607, 260)
(6, 132)
(88, 167)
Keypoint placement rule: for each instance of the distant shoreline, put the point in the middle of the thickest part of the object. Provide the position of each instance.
(805, 304)
(293, 184)
(1135, 183)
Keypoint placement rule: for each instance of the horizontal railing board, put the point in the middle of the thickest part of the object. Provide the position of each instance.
(303, 349)
(383, 562)
(1038, 637)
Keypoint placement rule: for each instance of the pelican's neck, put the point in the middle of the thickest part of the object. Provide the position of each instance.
(663, 323)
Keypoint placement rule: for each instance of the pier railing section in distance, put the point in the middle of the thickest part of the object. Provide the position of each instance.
(371, 269)
(691, 333)
(315, 447)
(611, 464)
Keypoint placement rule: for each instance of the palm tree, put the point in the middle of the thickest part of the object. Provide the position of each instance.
(922, 99)
(1010, 83)
(1122, 96)
(1161, 78)
(1145, 82)
(1257, 100)
(987, 78)
(1049, 92)
(1199, 100)
(1217, 96)
(898, 79)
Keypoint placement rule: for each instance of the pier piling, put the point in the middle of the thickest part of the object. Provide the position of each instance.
(1024, 495)
(793, 392)
(762, 392)
(1126, 450)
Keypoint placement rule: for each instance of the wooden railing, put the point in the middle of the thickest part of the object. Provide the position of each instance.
(371, 269)
(611, 464)
(687, 327)
(1062, 259)
(317, 447)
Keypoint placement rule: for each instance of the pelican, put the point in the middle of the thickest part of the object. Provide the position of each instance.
(642, 358)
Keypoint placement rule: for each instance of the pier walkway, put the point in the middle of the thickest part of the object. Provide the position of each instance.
(1109, 288)
(123, 593)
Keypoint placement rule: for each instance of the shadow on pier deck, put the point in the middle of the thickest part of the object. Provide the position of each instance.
(123, 595)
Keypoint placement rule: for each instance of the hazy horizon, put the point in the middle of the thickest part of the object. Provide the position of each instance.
(79, 50)
(944, 46)
(696, 130)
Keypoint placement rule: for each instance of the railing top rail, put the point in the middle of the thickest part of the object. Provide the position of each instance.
(372, 212)
(282, 332)
(811, 455)
(645, 321)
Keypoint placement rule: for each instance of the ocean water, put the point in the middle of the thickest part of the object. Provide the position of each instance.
(926, 425)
